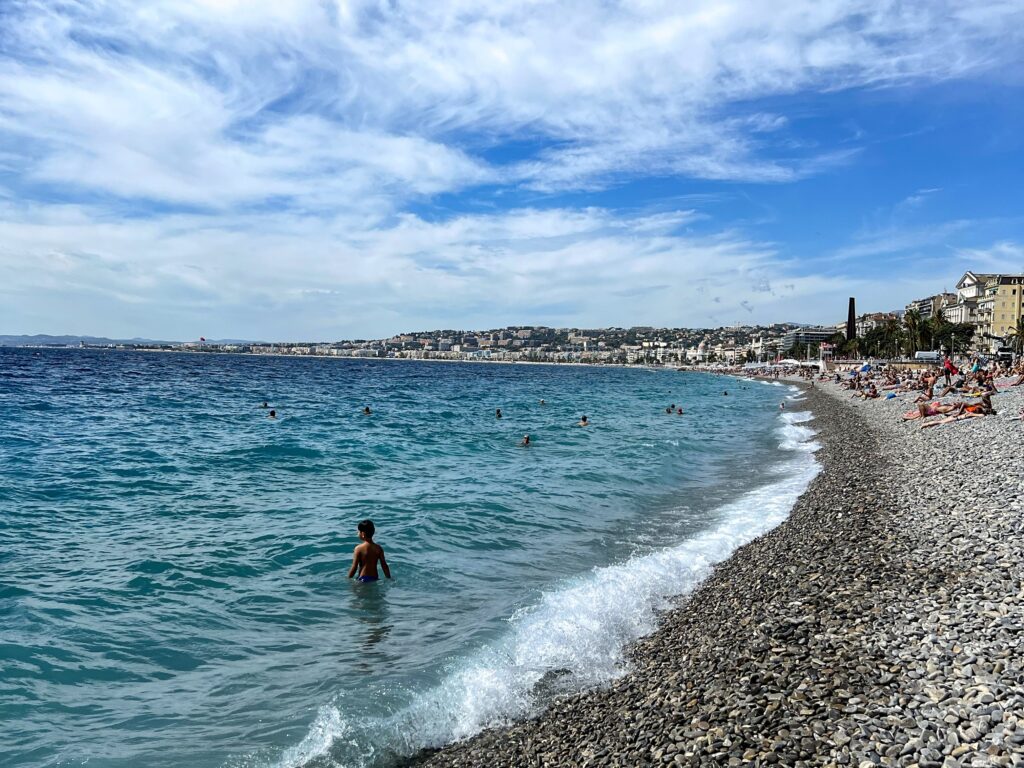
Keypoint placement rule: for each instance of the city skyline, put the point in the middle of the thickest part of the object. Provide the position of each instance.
(319, 170)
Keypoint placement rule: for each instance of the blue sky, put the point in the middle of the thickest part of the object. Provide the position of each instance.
(324, 169)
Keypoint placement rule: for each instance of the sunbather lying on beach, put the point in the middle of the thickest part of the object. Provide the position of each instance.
(966, 411)
(924, 410)
(955, 386)
(953, 417)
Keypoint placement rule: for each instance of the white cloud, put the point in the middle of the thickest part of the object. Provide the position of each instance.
(193, 101)
(588, 266)
(241, 156)
(1004, 256)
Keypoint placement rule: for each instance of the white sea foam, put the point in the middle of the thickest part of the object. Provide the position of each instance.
(574, 636)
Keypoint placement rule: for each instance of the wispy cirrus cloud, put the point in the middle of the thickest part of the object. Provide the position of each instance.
(212, 101)
(1004, 256)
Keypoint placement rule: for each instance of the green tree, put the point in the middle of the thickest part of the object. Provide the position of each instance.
(1016, 336)
(912, 337)
(960, 337)
(955, 338)
(892, 338)
(873, 342)
(939, 330)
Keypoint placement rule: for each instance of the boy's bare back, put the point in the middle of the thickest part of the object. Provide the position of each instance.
(366, 556)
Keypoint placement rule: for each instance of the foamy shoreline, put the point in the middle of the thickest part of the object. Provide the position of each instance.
(878, 625)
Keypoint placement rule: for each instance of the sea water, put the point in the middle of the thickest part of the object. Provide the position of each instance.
(173, 562)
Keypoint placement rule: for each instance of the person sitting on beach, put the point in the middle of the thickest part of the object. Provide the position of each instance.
(583, 422)
(870, 393)
(366, 555)
(924, 397)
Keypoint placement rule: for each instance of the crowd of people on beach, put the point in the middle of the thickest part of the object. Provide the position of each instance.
(945, 395)
(939, 395)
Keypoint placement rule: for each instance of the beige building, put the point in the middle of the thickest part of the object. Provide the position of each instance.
(991, 302)
(999, 308)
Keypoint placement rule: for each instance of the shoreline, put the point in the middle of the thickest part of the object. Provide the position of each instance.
(354, 358)
(857, 632)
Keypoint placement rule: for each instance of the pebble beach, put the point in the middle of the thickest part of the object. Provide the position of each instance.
(881, 624)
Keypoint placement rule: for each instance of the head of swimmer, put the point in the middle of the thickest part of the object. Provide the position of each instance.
(365, 530)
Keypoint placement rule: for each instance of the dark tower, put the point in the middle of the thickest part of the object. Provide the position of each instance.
(851, 321)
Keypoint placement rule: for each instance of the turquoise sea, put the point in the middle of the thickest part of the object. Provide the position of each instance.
(173, 563)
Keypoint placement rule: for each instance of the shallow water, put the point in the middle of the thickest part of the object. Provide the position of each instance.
(173, 588)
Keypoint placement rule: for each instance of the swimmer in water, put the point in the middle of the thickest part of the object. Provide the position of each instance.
(367, 411)
(782, 406)
(525, 441)
(366, 556)
(679, 411)
(725, 394)
(583, 422)
(264, 405)
(671, 408)
(497, 413)
(272, 414)
(542, 401)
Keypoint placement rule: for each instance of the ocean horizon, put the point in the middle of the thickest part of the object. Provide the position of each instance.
(174, 583)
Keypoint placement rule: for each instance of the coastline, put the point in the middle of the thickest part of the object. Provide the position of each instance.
(353, 358)
(875, 626)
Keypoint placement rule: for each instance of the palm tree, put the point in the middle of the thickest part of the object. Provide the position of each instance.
(941, 331)
(891, 336)
(1017, 336)
(912, 322)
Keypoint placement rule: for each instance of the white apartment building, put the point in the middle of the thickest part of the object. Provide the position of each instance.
(970, 288)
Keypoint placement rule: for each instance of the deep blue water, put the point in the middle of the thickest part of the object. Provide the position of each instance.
(173, 563)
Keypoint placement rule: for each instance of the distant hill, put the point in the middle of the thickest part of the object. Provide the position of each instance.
(63, 341)
(42, 339)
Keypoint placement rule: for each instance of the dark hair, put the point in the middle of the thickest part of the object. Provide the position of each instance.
(366, 526)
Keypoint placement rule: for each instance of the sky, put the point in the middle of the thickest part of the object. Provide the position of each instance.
(332, 169)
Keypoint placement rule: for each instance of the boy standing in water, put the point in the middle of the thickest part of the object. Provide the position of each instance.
(367, 555)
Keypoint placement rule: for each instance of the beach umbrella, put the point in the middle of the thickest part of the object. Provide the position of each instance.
(865, 368)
